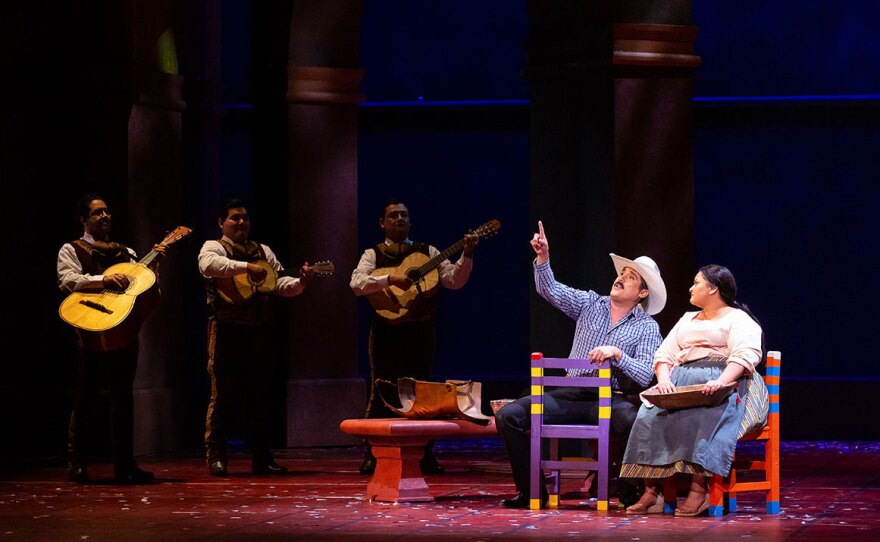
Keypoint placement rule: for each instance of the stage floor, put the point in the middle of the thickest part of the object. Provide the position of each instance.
(831, 491)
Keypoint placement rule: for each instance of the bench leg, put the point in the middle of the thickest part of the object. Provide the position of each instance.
(398, 477)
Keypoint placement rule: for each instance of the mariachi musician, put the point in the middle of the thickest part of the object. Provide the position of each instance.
(80, 267)
(403, 346)
(240, 335)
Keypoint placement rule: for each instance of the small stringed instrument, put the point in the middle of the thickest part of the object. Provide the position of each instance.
(240, 288)
(393, 303)
(97, 313)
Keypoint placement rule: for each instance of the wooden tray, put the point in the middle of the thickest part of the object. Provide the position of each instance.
(687, 397)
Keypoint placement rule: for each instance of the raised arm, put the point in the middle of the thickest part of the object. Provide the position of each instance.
(540, 245)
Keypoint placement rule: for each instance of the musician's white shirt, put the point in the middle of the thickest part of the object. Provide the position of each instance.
(214, 262)
(70, 271)
(452, 276)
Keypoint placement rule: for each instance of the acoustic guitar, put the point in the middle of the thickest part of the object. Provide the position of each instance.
(98, 315)
(240, 288)
(393, 303)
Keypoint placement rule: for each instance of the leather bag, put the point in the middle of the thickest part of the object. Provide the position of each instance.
(424, 400)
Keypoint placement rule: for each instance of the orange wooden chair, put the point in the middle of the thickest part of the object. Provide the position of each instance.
(723, 491)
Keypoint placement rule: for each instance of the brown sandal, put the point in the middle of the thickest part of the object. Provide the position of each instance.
(641, 509)
(680, 513)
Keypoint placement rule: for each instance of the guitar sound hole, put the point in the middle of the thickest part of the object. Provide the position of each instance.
(413, 275)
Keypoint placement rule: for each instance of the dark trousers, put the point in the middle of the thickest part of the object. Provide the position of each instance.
(398, 350)
(114, 370)
(240, 364)
(561, 406)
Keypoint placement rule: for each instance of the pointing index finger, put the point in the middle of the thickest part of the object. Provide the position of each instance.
(541, 229)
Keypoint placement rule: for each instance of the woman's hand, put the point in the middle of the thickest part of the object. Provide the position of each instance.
(712, 386)
(665, 386)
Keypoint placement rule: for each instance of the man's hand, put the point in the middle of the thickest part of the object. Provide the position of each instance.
(400, 281)
(540, 244)
(305, 274)
(599, 354)
(117, 281)
(160, 249)
(471, 240)
(256, 273)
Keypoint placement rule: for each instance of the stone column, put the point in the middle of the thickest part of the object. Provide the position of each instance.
(323, 93)
(611, 150)
(154, 209)
(653, 152)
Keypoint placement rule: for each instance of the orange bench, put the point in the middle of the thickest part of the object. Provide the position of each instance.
(398, 444)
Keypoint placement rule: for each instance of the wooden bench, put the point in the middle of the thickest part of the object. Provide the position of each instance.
(398, 444)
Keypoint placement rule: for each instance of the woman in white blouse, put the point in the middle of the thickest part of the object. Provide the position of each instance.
(719, 347)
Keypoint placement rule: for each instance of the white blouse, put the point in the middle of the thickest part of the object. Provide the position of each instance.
(734, 335)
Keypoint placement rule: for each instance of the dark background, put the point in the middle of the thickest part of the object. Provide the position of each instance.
(785, 177)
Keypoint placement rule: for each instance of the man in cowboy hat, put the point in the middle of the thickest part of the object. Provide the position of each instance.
(617, 327)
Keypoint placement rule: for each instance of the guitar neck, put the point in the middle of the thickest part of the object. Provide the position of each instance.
(149, 258)
(429, 266)
(179, 233)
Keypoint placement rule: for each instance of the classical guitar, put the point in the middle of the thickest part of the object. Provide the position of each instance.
(95, 313)
(240, 288)
(392, 302)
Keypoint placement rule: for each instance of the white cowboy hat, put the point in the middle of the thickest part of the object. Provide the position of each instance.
(647, 268)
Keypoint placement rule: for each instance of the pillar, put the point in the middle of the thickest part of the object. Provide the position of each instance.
(322, 96)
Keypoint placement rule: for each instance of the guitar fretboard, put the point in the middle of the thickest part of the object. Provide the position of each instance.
(429, 266)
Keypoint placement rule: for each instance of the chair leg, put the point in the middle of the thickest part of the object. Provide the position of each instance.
(718, 497)
(536, 478)
(602, 490)
(772, 466)
(553, 495)
(670, 494)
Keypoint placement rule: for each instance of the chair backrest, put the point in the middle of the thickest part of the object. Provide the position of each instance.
(772, 380)
(600, 381)
(601, 378)
(539, 431)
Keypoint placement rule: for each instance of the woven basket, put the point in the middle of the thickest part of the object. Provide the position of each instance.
(687, 397)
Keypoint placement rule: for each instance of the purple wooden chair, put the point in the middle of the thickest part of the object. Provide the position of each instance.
(540, 432)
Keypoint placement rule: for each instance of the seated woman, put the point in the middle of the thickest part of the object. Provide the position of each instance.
(717, 346)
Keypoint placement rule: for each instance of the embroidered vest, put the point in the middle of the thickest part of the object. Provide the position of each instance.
(425, 307)
(96, 258)
(255, 310)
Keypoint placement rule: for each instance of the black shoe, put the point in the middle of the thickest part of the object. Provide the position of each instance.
(76, 472)
(521, 500)
(267, 466)
(429, 464)
(368, 465)
(627, 492)
(217, 467)
(130, 473)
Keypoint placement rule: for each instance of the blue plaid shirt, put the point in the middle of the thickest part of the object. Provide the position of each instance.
(637, 335)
